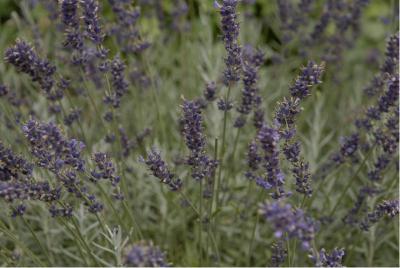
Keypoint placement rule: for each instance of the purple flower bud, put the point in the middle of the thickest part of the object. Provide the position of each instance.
(144, 254)
(294, 223)
(160, 170)
(210, 90)
(3, 90)
(230, 30)
(309, 76)
(329, 260)
(24, 58)
(91, 20)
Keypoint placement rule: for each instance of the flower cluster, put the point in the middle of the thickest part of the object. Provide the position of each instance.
(105, 169)
(202, 165)
(386, 207)
(160, 170)
(70, 18)
(119, 83)
(91, 21)
(230, 30)
(11, 191)
(145, 254)
(13, 167)
(309, 76)
(126, 29)
(25, 59)
(252, 60)
(286, 220)
(279, 254)
(51, 148)
(329, 260)
(365, 192)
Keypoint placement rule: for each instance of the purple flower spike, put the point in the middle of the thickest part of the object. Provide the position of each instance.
(293, 223)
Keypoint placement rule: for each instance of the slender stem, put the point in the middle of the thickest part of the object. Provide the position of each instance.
(253, 232)
(37, 240)
(222, 152)
(78, 231)
(201, 222)
(350, 182)
(190, 203)
(135, 224)
(210, 203)
(289, 253)
(77, 241)
(21, 245)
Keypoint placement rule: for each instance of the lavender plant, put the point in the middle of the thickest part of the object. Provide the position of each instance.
(199, 133)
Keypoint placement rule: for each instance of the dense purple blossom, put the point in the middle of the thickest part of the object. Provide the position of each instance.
(91, 20)
(202, 165)
(286, 111)
(352, 217)
(145, 254)
(302, 175)
(25, 59)
(18, 210)
(389, 208)
(3, 90)
(65, 211)
(349, 145)
(104, 169)
(118, 81)
(273, 178)
(193, 128)
(50, 147)
(72, 117)
(292, 222)
(309, 76)
(160, 170)
(253, 156)
(126, 29)
(224, 105)
(13, 167)
(210, 91)
(252, 59)
(69, 11)
(329, 260)
(11, 191)
(279, 254)
(230, 30)
(70, 18)
(258, 118)
(392, 55)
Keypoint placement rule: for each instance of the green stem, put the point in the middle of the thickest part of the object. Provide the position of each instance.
(222, 152)
(21, 245)
(190, 203)
(253, 232)
(78, 231)
(135, 224)
(37, 240)
(201, 222)
(350, 182)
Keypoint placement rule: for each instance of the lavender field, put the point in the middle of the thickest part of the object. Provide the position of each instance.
(199, 133)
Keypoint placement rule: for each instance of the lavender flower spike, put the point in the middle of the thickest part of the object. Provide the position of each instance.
(308, 77)
(329, 260)
(286, 220)
(269, 140)
(91, 20)
(25, 59)
(230, 30)
(144, 254)
(160, 170)
(202, 165)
